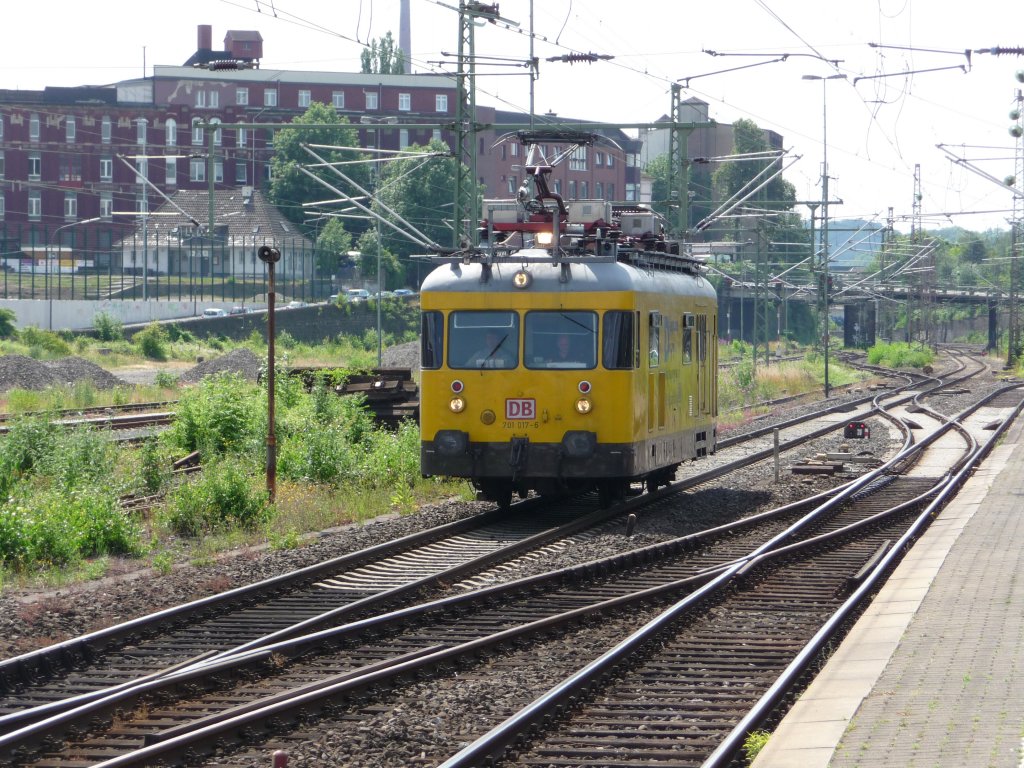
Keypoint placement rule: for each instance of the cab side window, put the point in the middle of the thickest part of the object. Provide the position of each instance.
(431, 340)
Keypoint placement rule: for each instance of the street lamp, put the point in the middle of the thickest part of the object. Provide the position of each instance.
(49, 264)
(824, 213)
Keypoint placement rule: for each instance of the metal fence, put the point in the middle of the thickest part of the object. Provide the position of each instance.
(38, 262)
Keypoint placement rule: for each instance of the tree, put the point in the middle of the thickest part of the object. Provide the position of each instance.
(383, 57)
(290, 188)
(420, 191)
(332, 245)
(393, 273)
(729, 178)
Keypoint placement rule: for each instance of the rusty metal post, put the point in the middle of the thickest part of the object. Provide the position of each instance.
(270, 256)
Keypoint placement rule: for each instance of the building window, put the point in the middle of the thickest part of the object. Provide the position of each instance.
(171, 172)
(578, 159)
(269, 97)
(338, 99)
(106, 169)
(583, 190)
(70, 167)
(214, 99)
(197, 132)
(2, 164)
(218, 133)
(403, 138)
(105, 130)
(171, 132)
(197, 169)
(512, 186)
(304, 98)
(558, 186)
(243, 137)
(141, 170)
(33, 127)
(435, 134)
(140, 130)
(141, 203)
(610, 190)
(242, 97)
(69, 130)
(3, 204)
(200, 99)
(106, 205)
(35, 205)
(218, 171)
(1, 126)
(441, 102)
(241, 169)
(70, 205)
(610, 160)
(599, 190)
(630, 193)
(371, 99)
(515, 149)
(404, 102)
(35, 166)
(572, 190)
(598, 159)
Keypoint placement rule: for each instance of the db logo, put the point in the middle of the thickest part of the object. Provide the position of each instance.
(520, 409)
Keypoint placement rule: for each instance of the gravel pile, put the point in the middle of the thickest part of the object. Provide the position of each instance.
(21, 372)
(241, 361)
(402, 356)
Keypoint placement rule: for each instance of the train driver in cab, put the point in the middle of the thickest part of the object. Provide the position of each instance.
(494, 353)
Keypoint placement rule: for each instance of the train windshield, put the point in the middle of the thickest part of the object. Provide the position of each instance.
(483, 340)
(560, 340)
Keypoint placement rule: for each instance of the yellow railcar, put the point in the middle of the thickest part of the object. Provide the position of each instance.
(546, 373)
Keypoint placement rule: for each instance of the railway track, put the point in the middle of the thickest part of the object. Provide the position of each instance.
(199, 667)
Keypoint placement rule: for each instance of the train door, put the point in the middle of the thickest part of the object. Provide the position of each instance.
(655, 378)
(704, 373)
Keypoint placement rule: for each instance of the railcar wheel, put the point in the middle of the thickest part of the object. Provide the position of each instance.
(497, 491)
(611, 492)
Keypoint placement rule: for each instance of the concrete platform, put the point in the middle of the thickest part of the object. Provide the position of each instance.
(933, 672)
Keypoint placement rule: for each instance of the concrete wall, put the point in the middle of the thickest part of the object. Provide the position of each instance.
(307, 324)
(78, 315)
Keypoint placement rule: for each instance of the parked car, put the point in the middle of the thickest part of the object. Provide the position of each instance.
(404, 292)
(357, 294)
(214, 312)
(333, 298)
(239, 310)
(295, 304)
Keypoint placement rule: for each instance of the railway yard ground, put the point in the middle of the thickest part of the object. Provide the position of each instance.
(924, 674)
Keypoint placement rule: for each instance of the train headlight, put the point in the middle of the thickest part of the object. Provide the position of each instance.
(522, 279)
(451, 442)
(583, 406)
(487, 417)
(544, 238)
(457, 405)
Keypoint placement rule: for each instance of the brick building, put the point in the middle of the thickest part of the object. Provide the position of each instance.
(76, 159)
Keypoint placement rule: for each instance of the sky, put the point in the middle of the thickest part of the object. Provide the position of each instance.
(908, 85)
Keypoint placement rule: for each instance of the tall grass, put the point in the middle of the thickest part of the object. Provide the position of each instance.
(900, 355)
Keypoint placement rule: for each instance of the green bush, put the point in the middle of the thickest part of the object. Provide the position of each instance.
(8, 323)
(152, 342)
(107, 327)
(223, 414)
(55, 528)
(227, 495)
(48, 341)
(28, 442)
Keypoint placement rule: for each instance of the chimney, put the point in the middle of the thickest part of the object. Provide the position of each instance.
(205, 38)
